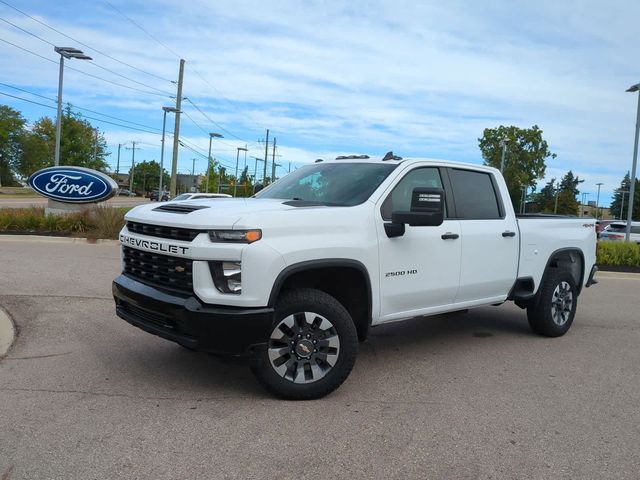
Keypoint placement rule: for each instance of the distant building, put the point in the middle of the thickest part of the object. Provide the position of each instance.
(589, 210)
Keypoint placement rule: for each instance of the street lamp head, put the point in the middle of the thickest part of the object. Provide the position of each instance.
(170, 109)
(242, 149)
(215, 135)
(634, 88)
(69, 52)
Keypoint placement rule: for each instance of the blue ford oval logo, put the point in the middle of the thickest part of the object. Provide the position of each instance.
(73, 184)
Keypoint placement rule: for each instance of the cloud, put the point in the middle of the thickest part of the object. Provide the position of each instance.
(419, 78)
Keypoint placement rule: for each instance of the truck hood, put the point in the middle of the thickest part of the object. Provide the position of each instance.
(203, 214)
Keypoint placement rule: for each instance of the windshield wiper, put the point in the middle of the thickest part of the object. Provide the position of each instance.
(299, 202)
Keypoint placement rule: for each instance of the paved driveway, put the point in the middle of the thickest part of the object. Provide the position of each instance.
(84, 395)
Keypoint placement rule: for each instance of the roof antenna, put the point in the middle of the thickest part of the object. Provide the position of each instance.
(391, 156)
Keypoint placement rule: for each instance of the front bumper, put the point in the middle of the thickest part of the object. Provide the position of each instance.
(188, 321)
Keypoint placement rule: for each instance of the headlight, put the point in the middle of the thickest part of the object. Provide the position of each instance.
(235, 236)
(227, 276)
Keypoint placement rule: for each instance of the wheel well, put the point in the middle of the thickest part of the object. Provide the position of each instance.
(570, 260)
(348, 284)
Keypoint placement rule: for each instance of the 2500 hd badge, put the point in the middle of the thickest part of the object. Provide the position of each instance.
(151, 245)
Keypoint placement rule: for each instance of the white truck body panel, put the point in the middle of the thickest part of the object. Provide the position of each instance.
(479, 268)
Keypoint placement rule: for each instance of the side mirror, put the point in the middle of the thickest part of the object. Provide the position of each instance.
(257, 188)
(427, 209)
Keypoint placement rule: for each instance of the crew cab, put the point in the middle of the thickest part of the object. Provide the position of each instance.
(297, 275)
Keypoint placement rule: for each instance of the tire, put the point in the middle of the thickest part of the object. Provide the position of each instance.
(312, 347)
(553, 312)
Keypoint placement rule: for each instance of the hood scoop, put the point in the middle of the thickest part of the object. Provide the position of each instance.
(179, 208)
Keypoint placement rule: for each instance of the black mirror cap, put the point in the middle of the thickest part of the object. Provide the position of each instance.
(394, 229)
(257, 188)
(418, 219)
(427, 200)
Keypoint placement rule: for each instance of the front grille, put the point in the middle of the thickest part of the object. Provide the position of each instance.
(158, 320)
(174, 233)
(163, 271)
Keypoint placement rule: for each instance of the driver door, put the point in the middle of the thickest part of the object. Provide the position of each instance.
(420, 270)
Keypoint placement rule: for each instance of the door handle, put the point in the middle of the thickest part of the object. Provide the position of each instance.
(449, 236)
(508, 234)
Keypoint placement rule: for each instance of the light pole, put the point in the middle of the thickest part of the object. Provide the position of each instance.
(598, 201)
(255, 170)
(503, 144)
(212, 135)
(622, 199)
(634, 88)
(65, 52)
(235, 184)
(164, 126)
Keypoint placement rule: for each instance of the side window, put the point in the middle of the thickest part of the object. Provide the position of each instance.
(474, 195)
(400, 197)
(634, 229)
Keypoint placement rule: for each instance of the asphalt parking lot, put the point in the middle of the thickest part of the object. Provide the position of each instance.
(84, 395)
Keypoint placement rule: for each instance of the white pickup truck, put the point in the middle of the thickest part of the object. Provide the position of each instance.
(296, 275)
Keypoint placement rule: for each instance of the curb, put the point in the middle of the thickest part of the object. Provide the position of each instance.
(51, 239)
(609, 274)
(7, 332)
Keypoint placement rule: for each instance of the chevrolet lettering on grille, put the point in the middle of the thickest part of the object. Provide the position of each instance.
(153, 245)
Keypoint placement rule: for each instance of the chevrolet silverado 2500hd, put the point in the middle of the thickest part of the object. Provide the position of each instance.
(297, 275)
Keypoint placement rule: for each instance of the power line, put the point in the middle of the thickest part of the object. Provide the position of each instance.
(83, 72)
(84, 116)
(92, 63)
(214, 122)
(136, 24)
(77, 107)
(84, 44)
(141, 28)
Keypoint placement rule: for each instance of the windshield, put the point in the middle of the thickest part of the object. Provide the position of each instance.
(337, 184)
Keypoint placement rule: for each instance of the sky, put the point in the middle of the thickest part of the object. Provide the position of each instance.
(337, 77)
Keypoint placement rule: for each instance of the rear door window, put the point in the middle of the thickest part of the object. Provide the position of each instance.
(475, 195)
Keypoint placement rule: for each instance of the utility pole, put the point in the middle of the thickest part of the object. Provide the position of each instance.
(598, 201)
(583, 204)
(118, 161)
(266, 156)
(273, 162)
(503, 144)
(95, 148)
(193, 173)
(176, 132)
(212, 135)
(235, 183)
(133, 164)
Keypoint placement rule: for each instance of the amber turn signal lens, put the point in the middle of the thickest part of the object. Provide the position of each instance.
(253, 235)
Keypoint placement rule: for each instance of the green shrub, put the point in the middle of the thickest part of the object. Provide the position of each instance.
(96, 222)
(619, 254)
(107, 222)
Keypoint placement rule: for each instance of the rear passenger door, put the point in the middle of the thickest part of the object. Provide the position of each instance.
(488, 237)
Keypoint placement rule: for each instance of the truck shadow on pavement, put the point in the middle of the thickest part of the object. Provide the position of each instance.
(207, 375)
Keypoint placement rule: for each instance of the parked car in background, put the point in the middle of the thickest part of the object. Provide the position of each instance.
(616, 231)
(126, 193)
(602, 224)
(197, 196)
(153, 196)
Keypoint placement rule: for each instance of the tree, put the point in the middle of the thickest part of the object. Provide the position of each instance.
(37, 147)
(559, 197)
(623, 190)
(526, 152)
(146, 177)
(81, 145)
(11, 130)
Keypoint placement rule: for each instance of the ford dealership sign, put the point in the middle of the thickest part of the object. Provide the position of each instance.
(73, 184)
